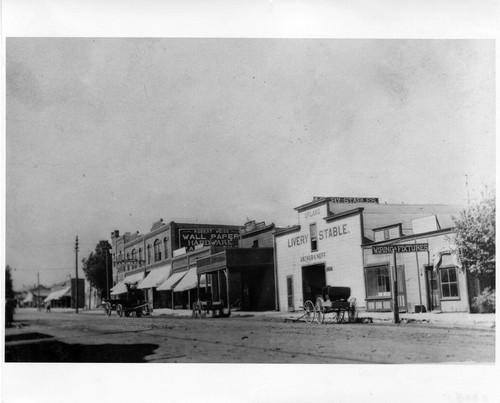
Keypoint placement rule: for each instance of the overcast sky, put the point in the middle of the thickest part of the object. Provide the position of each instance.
(107, 134)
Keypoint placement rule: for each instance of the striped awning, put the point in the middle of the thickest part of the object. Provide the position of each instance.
(119, 288)
(134, 278)
(189, 281)
(155, 277)
(171, 281)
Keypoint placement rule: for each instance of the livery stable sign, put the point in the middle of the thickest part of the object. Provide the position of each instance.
(405, 248)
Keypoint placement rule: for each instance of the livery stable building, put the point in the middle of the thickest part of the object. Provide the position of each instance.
(357, 242)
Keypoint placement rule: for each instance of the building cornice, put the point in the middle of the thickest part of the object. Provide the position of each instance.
(284, 231)
(345, 214)
(312, 204)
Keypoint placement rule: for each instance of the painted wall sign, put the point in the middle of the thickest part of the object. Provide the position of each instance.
(189, 238)
(298, 240)
(312, 213)
(332, 232)
(313, 257)
(355, 200)
(329, 268)
(419, 247)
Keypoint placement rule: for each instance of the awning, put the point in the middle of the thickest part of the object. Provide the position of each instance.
(58, 294)
(171, 281)
(29, 298)
(189, 281)
(119, 288)
(134, 278)
(445, 257)
(155, 277)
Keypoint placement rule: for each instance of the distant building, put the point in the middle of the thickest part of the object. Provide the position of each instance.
(34, 296)
(350, 242)
(64, 294)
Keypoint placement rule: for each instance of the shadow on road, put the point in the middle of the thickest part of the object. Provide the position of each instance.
(57, 351)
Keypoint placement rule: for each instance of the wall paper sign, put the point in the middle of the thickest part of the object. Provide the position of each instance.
(355, 200)
(412, 247)
(189, 238)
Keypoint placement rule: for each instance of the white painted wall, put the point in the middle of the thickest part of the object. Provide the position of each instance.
(339, 247)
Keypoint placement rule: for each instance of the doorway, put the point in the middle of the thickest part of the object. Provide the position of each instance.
(433, 297)
(313, 281)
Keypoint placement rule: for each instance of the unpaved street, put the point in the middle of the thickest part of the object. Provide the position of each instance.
(93, 337)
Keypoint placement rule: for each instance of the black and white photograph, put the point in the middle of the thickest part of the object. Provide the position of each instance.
(193, 213)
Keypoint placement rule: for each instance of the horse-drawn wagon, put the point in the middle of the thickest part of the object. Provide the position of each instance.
(132, 305)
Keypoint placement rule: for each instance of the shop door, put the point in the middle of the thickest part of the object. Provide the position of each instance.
(433, 297)
(289, 292)
(313, 281)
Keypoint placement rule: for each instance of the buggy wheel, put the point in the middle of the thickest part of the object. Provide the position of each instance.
(320, 311)
(107, 309)
(119, 310)
(320, 314)
(353, 311)
(310, 311)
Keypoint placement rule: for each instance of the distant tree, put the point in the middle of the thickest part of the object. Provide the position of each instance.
(9, 291)
(10, 302)
(94, 267)
(475, 240)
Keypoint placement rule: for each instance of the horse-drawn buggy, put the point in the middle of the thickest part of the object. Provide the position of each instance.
(334, 301)
(206, 304)
(132, 305)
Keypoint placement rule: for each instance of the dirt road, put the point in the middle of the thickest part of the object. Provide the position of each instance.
(91, 337)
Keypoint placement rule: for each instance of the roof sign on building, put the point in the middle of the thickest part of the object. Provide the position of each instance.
(350, 200)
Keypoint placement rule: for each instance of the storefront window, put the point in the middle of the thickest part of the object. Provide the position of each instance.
(449, 282)
(157, 250)
(378, 283)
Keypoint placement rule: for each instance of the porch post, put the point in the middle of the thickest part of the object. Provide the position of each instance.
(226, 271)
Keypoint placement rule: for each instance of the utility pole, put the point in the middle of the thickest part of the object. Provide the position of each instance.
(76, 271)
(395, 289)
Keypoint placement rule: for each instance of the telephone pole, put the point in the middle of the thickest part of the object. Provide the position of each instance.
(76, 271)
(395, 290)
(107, 275)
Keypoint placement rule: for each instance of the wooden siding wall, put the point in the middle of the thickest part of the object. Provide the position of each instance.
(409, 261)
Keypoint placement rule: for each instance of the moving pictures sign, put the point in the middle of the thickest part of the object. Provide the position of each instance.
(189, 238)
